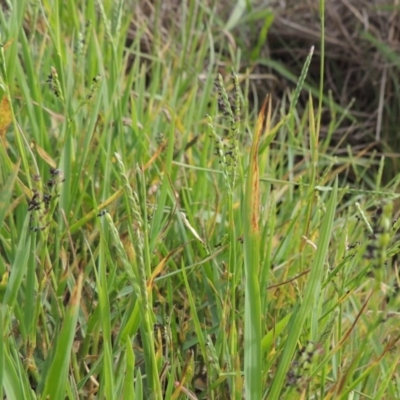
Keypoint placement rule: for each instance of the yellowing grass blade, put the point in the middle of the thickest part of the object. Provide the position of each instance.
(251, 236)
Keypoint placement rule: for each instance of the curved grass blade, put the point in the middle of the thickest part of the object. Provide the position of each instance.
(56, 379)
(19, 266)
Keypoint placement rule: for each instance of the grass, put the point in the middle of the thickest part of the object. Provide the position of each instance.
(160, 238)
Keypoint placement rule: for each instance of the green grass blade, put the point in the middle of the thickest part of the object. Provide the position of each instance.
(11, 382)
(19, 266)
(104, 303)
(129, 386)
(6, 193)
(56, 379)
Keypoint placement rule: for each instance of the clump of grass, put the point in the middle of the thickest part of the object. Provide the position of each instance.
(209, 268)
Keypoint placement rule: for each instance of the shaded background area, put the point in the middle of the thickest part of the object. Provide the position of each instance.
(274, 37)
(362, 57)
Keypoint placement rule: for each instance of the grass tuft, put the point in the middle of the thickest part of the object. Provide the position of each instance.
(160, 238)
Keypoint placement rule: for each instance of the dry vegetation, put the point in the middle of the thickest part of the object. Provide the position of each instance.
(361, 56)
(362, 43)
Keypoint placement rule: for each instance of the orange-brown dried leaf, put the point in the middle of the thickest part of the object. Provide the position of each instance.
(5, 115)
(45, 156)
(262, 128)
(159, 268)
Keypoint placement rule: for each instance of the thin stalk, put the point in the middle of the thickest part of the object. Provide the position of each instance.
(322, 65)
